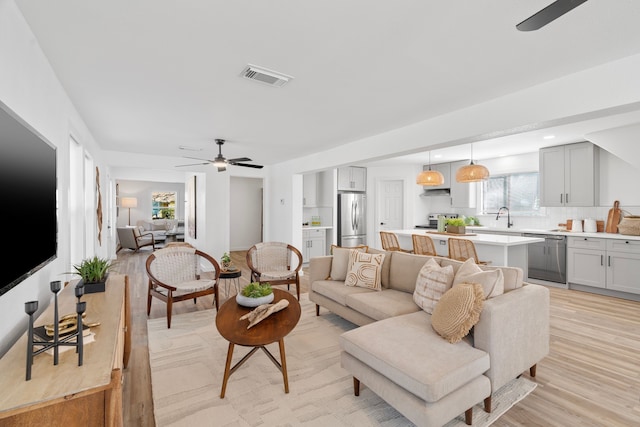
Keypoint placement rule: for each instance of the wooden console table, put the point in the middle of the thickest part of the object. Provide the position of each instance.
(68, 394)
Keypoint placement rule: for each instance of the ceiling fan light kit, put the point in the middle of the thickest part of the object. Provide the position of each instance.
(472, 172)
(430, 177)
(221, 162)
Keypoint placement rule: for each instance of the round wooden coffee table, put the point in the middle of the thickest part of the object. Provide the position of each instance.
(273, 328)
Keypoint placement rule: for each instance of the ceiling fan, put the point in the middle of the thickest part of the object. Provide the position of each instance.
(221, 162)
(548, 14)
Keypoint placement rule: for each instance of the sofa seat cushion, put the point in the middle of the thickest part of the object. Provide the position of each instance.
(406, 350)
(382, 305)
(337, 291)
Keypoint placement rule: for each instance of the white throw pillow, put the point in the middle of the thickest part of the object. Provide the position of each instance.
(492, 281)
(432, 282)
(340, 262)
(364, 270)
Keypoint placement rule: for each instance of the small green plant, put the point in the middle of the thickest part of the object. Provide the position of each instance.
(456, 222)
(257, 290)
(471, 220)
(93, 270)
(226, 258)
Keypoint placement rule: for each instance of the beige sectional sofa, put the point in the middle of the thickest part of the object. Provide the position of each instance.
(159, 227)
(399, 356)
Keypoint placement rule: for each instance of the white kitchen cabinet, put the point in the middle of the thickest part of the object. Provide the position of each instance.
(463, 194)
(568, 175)
(352, 178)
(604, 263)
(309, 190)
(313, 243)
(445, 170)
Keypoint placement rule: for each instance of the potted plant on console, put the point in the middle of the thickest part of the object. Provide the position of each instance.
(456, 226)
(255, 294)
(93, 274)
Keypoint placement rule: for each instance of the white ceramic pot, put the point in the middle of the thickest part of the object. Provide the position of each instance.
(590, 226)
(253, 302)
(576, 226)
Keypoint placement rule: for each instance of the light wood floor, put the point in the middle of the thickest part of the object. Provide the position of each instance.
(590, 378)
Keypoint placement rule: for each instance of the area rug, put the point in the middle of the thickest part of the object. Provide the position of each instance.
(187, 365)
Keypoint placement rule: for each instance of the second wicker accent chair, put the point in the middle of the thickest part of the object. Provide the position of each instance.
(175, 275)
(275, 262)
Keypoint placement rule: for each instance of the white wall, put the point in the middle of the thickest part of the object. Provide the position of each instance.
(246, 221)
(30, 89)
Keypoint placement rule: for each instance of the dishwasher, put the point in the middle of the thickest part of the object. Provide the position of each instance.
(548, 260)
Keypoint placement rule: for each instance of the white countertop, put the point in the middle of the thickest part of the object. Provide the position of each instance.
(554, 232)
(479, 239)
(316, 227)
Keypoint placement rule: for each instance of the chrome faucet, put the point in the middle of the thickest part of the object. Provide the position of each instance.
(509, 223)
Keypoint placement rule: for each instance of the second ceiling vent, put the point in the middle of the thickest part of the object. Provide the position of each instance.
(266, 76)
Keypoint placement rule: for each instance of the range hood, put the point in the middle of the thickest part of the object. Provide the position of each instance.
(430, 192)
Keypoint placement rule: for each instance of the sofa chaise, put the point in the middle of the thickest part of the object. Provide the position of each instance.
(397, 353)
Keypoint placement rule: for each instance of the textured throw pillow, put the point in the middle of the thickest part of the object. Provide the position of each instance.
(432, 282)
(364, 270)
(340, 262)
(458, 311)
(492, 281)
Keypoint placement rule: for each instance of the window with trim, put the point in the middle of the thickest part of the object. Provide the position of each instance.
(518, 191)
(163, 205)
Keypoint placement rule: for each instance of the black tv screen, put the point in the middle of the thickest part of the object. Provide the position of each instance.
(28, 194)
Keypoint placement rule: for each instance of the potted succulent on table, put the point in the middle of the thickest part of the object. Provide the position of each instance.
(456, 226)
(226, 261)
(93, 274)
(255, 294)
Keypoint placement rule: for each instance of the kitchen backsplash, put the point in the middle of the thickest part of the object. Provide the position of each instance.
(313, 215)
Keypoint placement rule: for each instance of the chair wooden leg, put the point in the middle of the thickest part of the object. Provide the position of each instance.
(216, 296)
(356, 386)
(149, 300)
(169, 308)
(468, 416)
(487, 405)
(317, 310)
(532, 371)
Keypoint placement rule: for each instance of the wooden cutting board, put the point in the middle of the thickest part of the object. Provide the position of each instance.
(613, 219)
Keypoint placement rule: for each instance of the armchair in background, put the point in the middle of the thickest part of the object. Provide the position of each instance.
(132, 238)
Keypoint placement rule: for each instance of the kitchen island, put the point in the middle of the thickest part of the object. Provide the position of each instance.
(500, 250)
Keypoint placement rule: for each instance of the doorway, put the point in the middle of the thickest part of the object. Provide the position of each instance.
(389, 206)
(246, 213)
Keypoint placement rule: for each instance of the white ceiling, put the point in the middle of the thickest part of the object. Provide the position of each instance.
(149, 76)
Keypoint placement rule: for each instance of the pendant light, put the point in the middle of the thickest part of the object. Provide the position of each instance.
(430, 177)
(472, 172)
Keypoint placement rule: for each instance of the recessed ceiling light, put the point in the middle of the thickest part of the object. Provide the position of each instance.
(184, 147)
(548, 137)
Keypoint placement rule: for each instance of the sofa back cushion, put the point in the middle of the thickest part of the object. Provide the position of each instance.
(340, 262)
(404, 269)
(386, 264)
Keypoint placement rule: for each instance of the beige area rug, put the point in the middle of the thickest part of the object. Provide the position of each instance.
(187, 365)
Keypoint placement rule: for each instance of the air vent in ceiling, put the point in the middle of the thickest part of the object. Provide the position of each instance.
(263, 75)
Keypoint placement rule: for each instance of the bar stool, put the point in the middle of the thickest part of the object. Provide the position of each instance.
(463, 249)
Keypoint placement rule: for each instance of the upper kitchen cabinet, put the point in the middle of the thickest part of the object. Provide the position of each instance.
(310, 190)
(463, 194)
(352, 178)
(445, 170)
(569, 175)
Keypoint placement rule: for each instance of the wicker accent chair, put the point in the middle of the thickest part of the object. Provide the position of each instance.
(390, 242)
(423, 245)
(463, 249)
(275, 262)
(175, 275)
(131, 238)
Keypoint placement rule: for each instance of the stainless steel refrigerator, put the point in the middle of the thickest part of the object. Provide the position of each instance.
(352, 227)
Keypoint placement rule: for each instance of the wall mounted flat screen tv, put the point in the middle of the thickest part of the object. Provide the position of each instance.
(28, 192)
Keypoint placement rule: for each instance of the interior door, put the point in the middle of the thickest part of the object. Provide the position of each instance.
(390, 206)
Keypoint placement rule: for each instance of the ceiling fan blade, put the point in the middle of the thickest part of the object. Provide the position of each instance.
(239, 159)
(196, 158)
(247, 165)
(194, 164)
(548, 14)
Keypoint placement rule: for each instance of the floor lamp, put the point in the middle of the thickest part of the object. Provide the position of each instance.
(129, 202)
